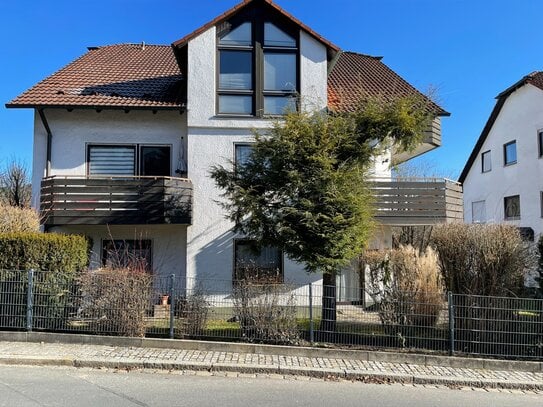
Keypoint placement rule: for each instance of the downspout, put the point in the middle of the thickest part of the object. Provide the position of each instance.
(49, 140)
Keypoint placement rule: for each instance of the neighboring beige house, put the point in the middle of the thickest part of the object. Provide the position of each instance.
(125, 135)
(503, 177)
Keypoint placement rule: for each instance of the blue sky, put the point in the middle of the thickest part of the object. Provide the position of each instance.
(469, 50)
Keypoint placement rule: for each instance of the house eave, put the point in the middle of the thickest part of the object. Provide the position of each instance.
(180, 108)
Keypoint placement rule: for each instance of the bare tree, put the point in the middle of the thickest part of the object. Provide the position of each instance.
(15, 187)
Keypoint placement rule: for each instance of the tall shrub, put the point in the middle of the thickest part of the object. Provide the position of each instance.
(481, 264)
(18, 219)
(482, 259)
(406, 286)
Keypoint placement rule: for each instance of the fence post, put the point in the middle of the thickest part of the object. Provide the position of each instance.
(451, 322)
(172, 306)
(30, 300)
(311, 332)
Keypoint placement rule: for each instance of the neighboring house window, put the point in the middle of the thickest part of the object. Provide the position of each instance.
(258, 265)
(540, 142)
(510, 153)
(541, 202)
(242, 154)
(123, 160)
(258, 68)
(478, 212)
(127, 253)
(486, 161)
(511, 206)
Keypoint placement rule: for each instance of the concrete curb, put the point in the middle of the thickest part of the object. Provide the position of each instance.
(299, 351)
(330, 374)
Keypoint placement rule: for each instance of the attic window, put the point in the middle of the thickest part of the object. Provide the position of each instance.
(258, 68)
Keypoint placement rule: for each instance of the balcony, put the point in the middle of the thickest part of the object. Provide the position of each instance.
(72, 200)
(417, 201)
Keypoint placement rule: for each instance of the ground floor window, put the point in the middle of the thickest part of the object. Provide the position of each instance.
(511, 208)
(257, 264)
(135, 254)
(478, 212)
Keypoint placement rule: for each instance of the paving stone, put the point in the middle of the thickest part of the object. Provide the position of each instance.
(201, 362)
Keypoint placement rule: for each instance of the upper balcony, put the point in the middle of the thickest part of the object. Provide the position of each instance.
(116, 200)
(417, 201)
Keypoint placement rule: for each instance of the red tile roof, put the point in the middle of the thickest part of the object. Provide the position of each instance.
(356, 76)
(117, 76)
(229, 13)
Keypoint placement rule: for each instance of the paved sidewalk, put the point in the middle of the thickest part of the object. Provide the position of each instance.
(125, 357)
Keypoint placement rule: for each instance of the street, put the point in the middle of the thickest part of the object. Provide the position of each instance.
(55, 386)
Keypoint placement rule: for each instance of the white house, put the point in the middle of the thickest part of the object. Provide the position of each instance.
(125, 136)
(503, 177)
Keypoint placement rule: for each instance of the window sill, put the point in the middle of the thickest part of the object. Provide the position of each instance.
(510, 164)
(514, 219)
(484, 172)
(223, 116)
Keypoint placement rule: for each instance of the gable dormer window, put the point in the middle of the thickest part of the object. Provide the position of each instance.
(257, 68)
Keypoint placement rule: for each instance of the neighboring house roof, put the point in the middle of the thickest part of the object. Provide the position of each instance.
(229, 13)
(356, 76)
(536, 79)
(116, 76)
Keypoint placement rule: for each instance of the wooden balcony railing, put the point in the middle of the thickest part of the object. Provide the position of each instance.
(417, 201)
(71, 200)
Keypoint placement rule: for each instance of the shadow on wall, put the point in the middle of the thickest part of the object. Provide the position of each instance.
(214, 262)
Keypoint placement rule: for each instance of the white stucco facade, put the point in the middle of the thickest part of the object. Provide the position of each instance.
(74, 131)
(211, 142)
(520, 120)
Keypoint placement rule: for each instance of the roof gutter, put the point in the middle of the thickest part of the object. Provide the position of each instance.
(49, 141)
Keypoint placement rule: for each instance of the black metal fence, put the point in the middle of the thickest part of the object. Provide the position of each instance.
(269, 313)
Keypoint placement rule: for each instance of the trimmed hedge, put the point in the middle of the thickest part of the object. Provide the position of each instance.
(59, 258)
(43, 251)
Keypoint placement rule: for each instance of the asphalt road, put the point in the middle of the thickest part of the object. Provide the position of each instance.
(43, 386)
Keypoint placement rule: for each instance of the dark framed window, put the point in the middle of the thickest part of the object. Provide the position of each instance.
(155, 160)
(510, 153)
(540, 143)
(511, 207)
(127, 253)
(242, 153)
(486, 161)
(111, 160)
(129, 160)
(257, 264)
(258, 66)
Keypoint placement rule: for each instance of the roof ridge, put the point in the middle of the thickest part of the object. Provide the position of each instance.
(233, 10)
(363, 55)
(120, 44)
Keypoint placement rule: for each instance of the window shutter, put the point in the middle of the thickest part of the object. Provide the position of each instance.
(111, 160)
